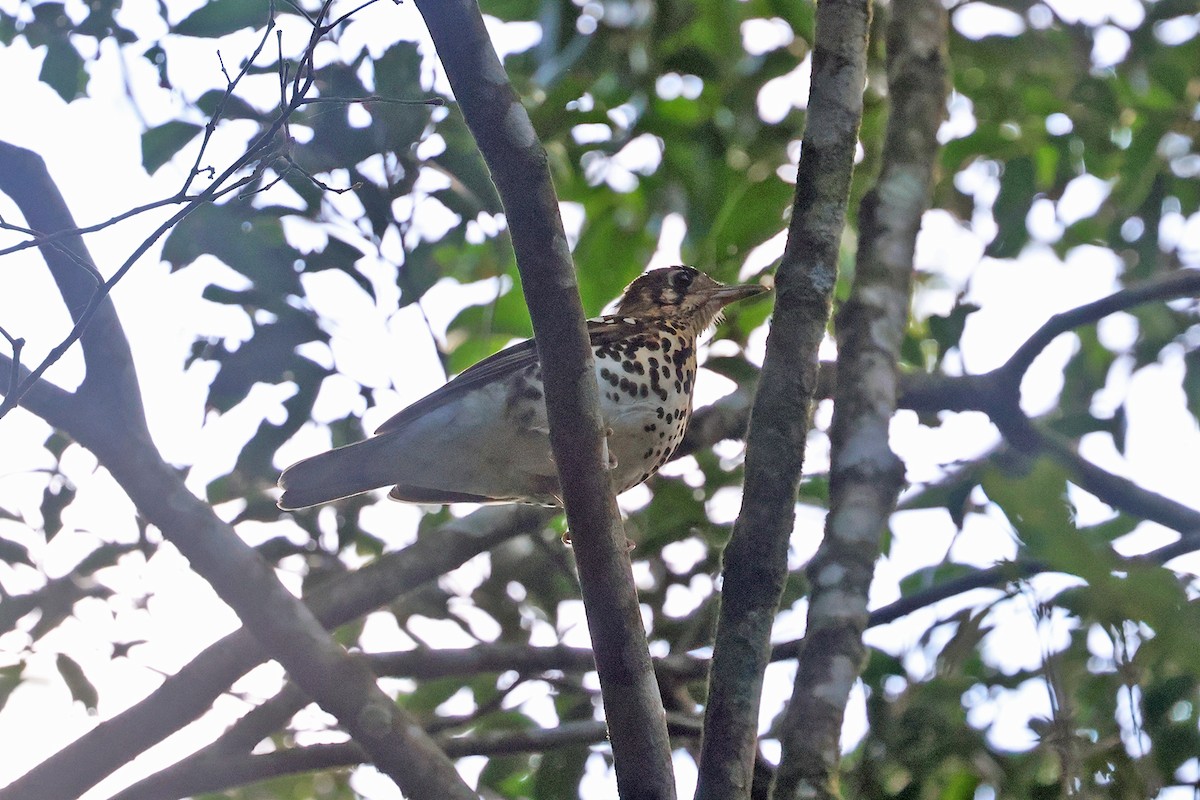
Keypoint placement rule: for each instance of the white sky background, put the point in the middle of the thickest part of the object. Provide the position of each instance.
(92, 147)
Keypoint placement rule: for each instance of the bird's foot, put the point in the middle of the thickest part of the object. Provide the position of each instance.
(609, 456)
(629, 543)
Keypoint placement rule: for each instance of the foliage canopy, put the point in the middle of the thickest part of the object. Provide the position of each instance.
(1071, 138)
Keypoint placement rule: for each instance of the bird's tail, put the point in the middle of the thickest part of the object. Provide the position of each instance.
(346, 471)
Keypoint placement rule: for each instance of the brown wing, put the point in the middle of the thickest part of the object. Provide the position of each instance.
(507, 361)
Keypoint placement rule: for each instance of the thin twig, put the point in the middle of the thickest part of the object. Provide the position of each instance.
(260, 144)
(374, 98)
(17, 344)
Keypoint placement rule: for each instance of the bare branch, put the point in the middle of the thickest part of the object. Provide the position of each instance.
(186, 695)
(14, 365)
(501, 127)
(1185, 283)
(110, 422)
(220, 771)
(86, 302)
(755, 561)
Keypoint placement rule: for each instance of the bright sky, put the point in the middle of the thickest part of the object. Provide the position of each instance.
(163, 314)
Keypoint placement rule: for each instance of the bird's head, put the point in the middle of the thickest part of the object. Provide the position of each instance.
(683, 294)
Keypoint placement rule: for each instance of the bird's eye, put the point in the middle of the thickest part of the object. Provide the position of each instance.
(682, 279)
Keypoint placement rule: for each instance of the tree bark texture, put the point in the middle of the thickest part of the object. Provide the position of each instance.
(755, 561)
(105, 415)
(865, 475)
(502, 129)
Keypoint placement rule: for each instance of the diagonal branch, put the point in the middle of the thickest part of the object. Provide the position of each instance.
(107, 418)
(217, 772)
(505, 135)
(186, 695)
(1185, 283)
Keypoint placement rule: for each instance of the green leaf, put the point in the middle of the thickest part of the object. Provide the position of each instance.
(948, 330)
(1035, 502)
(229, 106)
(62, 70)
(14, 552)
(80, 687)
(1191, 381)
(159, 145)
(249, 240)
(1012, 207)
(559, 773)
(10, 679)
(55, 498)
(510, 776)
(220, 17)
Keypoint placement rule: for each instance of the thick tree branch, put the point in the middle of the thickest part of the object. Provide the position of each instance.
(755, 561)
(501, 127)
(217, 772)
(107, 418)
(1120, 493)
(186, 695)
(269, 717)
(865, 475)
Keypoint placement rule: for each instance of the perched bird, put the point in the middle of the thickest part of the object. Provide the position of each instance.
(483, 437)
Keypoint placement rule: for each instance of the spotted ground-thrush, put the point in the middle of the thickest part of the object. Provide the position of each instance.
(483, 437)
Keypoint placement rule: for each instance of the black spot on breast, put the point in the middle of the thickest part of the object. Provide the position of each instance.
(666, 344)
(627, 365)
(661, 392)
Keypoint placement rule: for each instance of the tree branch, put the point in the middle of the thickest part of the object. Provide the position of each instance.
(186, 695)
(755, 561)
(501, 127)
(865, 475)
(1185, 283)
(218, 772)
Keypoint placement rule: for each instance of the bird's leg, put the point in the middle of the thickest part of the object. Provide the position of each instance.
(608, 453)
(611, 460)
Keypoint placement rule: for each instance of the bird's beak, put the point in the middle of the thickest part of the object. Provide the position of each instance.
(724, 295)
